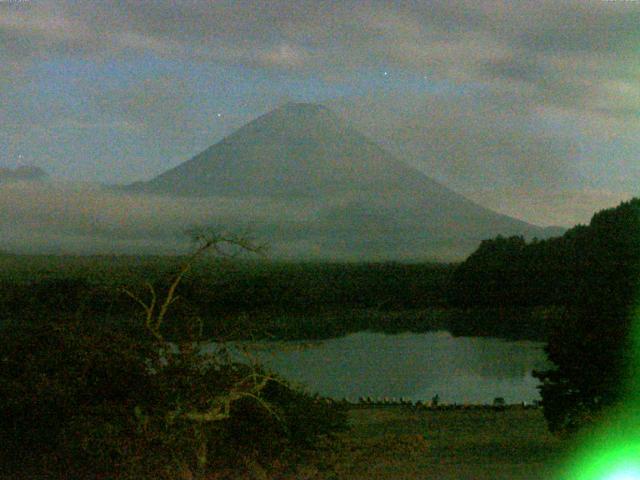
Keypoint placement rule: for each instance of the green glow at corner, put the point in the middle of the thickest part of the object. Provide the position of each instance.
(625, 474)
(611, 451)
(617, 462)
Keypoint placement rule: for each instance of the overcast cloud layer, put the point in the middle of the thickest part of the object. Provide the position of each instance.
(531, 108)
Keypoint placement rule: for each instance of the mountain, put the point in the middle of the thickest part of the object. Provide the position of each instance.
(22, 173)
(361, 202)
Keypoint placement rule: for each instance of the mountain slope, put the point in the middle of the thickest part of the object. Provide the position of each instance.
(361, 200)
(26, 173)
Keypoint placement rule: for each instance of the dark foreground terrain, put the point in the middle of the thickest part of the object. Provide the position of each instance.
(406, 443)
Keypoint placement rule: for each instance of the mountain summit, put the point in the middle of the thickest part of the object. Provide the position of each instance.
(297, 149)
(365, 203)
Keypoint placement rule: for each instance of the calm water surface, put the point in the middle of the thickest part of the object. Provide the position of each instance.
(412, 365)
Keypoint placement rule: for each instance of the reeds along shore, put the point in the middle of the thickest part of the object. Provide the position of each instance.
(368, 402)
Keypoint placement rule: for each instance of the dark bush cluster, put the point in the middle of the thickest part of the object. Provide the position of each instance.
(82, 396)
(84, 400)
(60, 383)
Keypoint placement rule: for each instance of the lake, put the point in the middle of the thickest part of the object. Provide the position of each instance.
(415, 366)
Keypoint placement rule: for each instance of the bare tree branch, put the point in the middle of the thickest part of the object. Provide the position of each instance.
(250, 386)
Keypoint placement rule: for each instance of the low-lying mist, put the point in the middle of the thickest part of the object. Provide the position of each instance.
(51, 217)
(57, 217)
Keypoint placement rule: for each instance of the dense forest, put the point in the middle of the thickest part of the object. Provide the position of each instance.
(592, 275)
(566, 270)
(236, 299)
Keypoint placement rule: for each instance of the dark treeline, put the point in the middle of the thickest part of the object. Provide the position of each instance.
(586, 268)
(507, 288)
(240, 298)
(587, 265)
(304, 286)
(592, 274)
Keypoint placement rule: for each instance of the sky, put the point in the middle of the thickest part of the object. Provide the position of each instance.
(531, 108)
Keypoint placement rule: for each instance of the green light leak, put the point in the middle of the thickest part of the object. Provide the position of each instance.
(611, 450)
(607, 455)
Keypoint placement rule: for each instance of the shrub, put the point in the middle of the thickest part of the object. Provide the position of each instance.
(118, 401)
(55, 376)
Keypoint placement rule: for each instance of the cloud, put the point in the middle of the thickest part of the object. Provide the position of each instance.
(439, 31)
(548, 83)
(566, 53)
(81, 218)
(74, 218)
(564, 208)
(84, 218)
(467, 141)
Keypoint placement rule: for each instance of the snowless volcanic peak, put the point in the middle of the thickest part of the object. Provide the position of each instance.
(362, 200)
(297, 149)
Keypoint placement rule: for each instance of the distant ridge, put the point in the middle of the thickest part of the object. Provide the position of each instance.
(367, 203)
(28, 172)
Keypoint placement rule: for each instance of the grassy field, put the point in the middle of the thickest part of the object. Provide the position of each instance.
(405, 443)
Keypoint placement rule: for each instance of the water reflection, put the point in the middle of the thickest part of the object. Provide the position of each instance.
(414, 366)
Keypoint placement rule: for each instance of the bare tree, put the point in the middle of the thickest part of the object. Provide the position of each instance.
(156, 308)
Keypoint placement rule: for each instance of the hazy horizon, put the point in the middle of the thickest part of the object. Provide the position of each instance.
(528, 109)
(299, 178)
